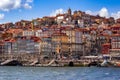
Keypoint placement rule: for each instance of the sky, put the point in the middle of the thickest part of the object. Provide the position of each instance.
(16, 10)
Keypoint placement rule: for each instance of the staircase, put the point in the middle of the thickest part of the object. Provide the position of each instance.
(6, 62)
(51, 62)
(32, 64)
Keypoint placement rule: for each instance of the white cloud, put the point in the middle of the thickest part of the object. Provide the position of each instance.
(91, 12)
(2, 16)
(104, 12)
(27, 6)
(116, 15)
(7, 5)
(58, 11)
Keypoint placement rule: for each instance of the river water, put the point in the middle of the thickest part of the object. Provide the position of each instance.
(59, 73)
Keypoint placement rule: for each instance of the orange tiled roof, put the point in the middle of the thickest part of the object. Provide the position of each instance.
(115, 35)
(104, 34)
(106, 44)
(36, 39)
(46, 37)
(93, 28)
(10, 40)
(14, 31)
(59, 34)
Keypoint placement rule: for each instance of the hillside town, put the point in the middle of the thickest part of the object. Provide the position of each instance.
(64, 36)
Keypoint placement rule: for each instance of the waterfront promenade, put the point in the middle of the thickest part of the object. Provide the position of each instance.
(38, 60)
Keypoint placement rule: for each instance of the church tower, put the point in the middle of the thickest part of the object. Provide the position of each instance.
(69, 12)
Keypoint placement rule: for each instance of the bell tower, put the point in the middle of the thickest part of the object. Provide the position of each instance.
(69, 11)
